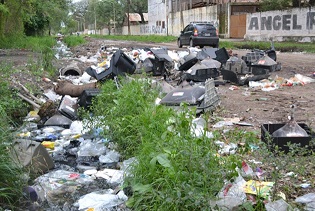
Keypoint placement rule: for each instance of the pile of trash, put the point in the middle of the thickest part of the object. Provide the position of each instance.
(77, 168)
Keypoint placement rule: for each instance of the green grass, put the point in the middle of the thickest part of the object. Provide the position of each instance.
(175, 169)
(11, 182)
(142, 38)
(12, 105)
(279, 46)
(73, 40)
(37, 44)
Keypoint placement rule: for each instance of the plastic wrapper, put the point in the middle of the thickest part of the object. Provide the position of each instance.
(90, 148)
(234, 189)
(101, 200)
(258, 188)
(307, 198)
(112, 176)
(279, 205)
(110, 157)
(59, 182)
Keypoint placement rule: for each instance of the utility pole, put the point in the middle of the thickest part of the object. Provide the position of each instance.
(128, 8)
(94, 17)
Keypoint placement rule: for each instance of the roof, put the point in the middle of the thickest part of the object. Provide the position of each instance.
(135, 17)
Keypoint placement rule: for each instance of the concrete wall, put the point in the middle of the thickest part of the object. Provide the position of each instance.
(157, 17)
(177, 21)
(134, 29)
(296, 24)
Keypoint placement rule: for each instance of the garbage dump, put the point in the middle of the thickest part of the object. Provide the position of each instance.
(75, 165)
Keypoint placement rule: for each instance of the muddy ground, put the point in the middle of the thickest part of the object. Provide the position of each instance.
(251, 105)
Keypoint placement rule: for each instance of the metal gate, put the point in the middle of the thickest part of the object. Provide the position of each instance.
(238, 26)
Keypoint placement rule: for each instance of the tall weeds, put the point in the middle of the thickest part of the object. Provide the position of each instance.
(11, 182)
(175, 169)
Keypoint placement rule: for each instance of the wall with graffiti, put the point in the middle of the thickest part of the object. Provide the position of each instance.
(296, 24)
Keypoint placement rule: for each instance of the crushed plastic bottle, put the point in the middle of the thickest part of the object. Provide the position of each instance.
(291, 128)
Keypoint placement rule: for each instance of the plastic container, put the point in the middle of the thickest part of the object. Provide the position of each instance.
(282, 142)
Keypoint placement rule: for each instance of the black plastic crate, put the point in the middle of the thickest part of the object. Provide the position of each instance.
(282, 142)
(85, 99)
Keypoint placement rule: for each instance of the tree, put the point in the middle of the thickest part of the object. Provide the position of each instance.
(11, 16)
(268, 5)
(109, 13)
(79, 11)
(139, 6)
(45, 15)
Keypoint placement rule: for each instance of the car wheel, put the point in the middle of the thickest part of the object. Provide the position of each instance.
(191, 43)
(201, 46)
(179, 43)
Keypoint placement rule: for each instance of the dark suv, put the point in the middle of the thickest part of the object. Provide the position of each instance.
(199, 34)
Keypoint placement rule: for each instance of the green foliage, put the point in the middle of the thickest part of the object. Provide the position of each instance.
(11, 182)
(12, 106)
(268, 5)
(73, 40)
(36, 23)
(287, 46)
(25, 42)
(144, 38)
(175, 170)
(42, 45)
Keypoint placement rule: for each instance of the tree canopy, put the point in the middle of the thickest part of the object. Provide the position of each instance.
(268, 5)
(32, 17)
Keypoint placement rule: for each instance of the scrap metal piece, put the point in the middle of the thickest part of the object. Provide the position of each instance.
(68, 107)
